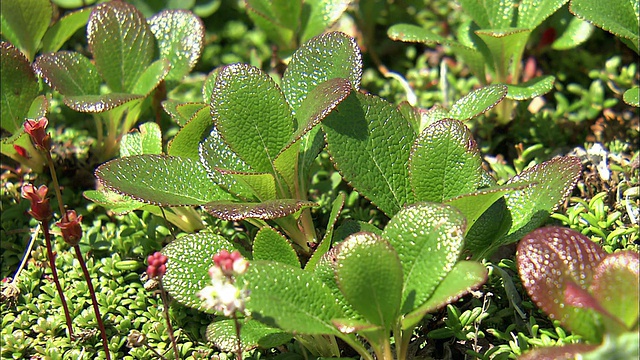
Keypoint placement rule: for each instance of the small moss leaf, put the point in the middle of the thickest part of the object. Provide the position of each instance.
(160, 180)
(478, 102)
(190, 258)
(121, 42)
(19, 87)
(251, 114)
(558, 264)
(325, 57)
(465, 276)
(222, 334)
(270, 209)
(269, 244)
(428, 238)
(180, 38)
(369, 275)
(532, 88)
(369, 142)
(290, 298)
(445, 162)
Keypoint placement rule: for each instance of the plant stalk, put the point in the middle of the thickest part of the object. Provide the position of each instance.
(54, 272)
(165, 304)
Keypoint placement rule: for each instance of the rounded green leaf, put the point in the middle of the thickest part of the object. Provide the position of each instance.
(445, 162)
(222, 334)
(69, 73)
(428, 239)
(532, 88)
(19, 87)
(269, 244)
(160, 180)
(369, 275)
(290, 298)
(180, 38)
(321, 15)
(190, 258)
(632, 96)
(121, 43)
(369, 142)
(24, 23)
(146, 141)
(477, 102)
(619, 17)
(251, 115)
(186, 143)
(63, 29)
(325, 57)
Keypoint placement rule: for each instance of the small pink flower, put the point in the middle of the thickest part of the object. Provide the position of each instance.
(40, 208)
(37, 129)
(71, 227)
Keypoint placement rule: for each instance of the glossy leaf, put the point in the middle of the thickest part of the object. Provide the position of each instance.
(369, 275)
(555, 263)
(428, 239)
(24, 23)
(278, 19)
(325, 271)
(19, 87)
(119, 204)
(269, 244)
(490, 14)
(64, 29)
(146, 141)
(262, 185)
(180, 38)
(576, 33)
(290, 298)
(160, 180)
(325, 57)
(187, 140)
(619, 17)
(69, 73)
(251, 115)
(101, 103)
(321, 15)
(270, 209)
(151, 77)
(531, 13)
(464, 277)
(222, 334)
(506, 47)
(190, 258)
(325, 243)
(532, 88)
(445, 162)
(477, 102)
(632, 96)
(121, 43)
(369, 142)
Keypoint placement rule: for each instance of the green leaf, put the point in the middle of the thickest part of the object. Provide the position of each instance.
(632, 96)
(320, 15)
(506, 47)
(288, 169)
(428, 239)
(146, 141)
(180, 38)
(24, 23)
(528, 90)
(531, 13)
(496, 14)
(151, 77)
(262, 185)
(619, 17)
(270, 209)
(465, 277)
(278, 19)
(369, 142)
(350, 226)
(445, 162)
(325, 57)
(19, 87)
(269, 244)
(369, 274)
(63, 29)
(187, 141)
(325, 271)
(160, 180)
(478, 102)
(182, 113)
(121, 43)
(576, 33)
(610, 286)
(190, 258)
(119, 204)
(222, 334)
(101, 103)
(290, 298)
(251, 115)
(69, 73)
(325, 243)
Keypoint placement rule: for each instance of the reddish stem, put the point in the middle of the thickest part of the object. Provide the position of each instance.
(94, 300)
(54, 272)
(165, 305)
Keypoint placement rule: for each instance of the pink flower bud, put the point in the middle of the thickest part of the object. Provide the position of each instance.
(71, 227)
(37, 130)
(40, 208)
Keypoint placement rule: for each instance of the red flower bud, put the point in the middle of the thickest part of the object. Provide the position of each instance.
(21, 151)
(157, 265)
(37, 129)
(71, 227)
(40, 208)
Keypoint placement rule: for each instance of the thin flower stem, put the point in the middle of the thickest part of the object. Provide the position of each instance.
(165, 304)
(54, 272)
(94, 300)
(27, 253)
(56, 185)
(238, 339)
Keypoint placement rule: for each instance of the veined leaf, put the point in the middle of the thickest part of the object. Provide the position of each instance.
(19, 87)
(222, 334)
(528, 90)
(619, 17)
(270, 209)
(478, 102)
(531, 13)
(24, 23)
(69, 73)
(146, 141)
(269, 244)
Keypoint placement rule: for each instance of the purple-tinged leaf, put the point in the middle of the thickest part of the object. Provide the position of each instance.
(19, 87)
(615, 287)
(121, 42)
(99, 103)
(272, 209)
(556, 266)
